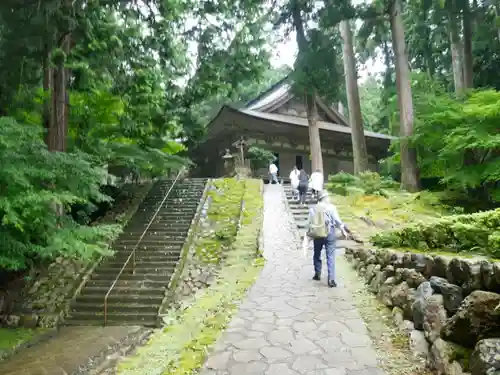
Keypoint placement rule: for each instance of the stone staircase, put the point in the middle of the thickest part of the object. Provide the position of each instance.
(136, 298)
(300, 213)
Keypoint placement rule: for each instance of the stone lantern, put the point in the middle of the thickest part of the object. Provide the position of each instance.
(228, 163)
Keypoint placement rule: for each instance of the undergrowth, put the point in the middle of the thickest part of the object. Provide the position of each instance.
(392, 218)
(181, 347)
(478, 233)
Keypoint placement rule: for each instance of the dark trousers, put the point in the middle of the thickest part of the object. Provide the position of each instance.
(302, 193)
(329, 245)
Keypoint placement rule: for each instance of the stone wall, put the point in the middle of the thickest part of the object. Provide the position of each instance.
(195, 274)
(448, 307)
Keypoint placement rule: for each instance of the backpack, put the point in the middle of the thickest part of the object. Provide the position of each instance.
(320, 224)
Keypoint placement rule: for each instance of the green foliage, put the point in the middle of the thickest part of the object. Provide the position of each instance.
(35, 184)
(479, 233)
(459, 142)
(366, 183)
(259, 157)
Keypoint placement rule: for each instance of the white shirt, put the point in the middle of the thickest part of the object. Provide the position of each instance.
(317, 181)
(273, 168)
(294, 178)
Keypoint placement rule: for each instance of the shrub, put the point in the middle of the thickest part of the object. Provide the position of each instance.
(37, 188)
(478, 232)
(366, 183)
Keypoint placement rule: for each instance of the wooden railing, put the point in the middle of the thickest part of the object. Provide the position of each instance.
(132, 255)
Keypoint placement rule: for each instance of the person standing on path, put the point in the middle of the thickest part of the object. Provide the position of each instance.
(273, 171)
(303, 184)
(317, 182)
(294, 182)
(331, 220)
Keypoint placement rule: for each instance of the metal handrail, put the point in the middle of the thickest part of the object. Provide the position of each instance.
(132, 253)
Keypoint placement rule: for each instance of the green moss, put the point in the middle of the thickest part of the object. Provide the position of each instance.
(461, 355)
(223, 214)
(181, 347)
(11, 338)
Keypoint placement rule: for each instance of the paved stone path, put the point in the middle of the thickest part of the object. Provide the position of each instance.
(289, 324)
(71, 348)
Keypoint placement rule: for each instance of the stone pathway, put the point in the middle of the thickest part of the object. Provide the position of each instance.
(289, 324)
(67, 352)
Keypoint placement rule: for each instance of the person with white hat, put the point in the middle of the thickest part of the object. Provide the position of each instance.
(323, 219)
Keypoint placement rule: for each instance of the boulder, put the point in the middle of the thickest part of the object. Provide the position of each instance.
(398, 316)
(424, 291)
(443, 358)
(418, 345)
(475, 319)
(440, 266)
(434, 317)
(377, 279)
(414, 278)
(384, 292)
(369, 273)
(485, 359)
(452, 294)
(473, 278)
(418, 262)
(490, 275)
(403, 296)
(428, 266)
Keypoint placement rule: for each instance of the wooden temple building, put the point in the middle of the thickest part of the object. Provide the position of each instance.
(277, 121)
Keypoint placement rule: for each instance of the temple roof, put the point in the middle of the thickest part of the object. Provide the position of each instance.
(264, 107)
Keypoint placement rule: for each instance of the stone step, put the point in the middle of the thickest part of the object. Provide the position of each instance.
(128, 276)
(147, 242)
(123, 290)
(140, 263)
(155, 226)
(151, 236)
(117, 317)
(168, 207)
(139, 270)
(115, 307)
(120, 247)
(150, 256)
(100, 322)
(157, 232)
(143, 299)
(124, 282)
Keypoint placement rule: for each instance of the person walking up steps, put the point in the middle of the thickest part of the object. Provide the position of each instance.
(323, 219)
(316, 182)
(303, 184)
(273, 171)
(294, 182)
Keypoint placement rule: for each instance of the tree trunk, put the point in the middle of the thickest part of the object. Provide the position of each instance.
(497, 14)
(310, 95)
(456, 54)
(314, 138)
(360, 154)
(468, 68)
(59, 129)
(409, 168)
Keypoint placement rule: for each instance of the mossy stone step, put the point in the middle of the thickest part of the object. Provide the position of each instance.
(123, 290)
(116, 307)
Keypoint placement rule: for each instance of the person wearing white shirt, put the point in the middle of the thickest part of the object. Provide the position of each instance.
(316, 182)
(273, 171)
(294, 182)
